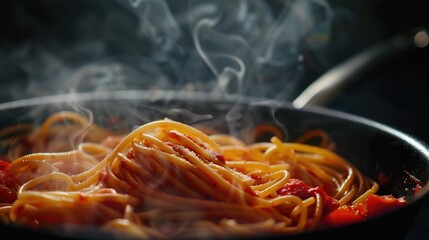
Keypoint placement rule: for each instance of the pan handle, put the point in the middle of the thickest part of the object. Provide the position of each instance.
(324, 88)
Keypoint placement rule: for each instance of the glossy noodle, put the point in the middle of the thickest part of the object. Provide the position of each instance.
(166, 179)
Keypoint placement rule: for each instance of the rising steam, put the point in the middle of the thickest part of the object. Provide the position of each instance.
(266, 49)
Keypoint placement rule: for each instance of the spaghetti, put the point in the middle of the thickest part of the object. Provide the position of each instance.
(166, 179)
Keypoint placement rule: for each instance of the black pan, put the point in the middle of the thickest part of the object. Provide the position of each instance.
(371, 146)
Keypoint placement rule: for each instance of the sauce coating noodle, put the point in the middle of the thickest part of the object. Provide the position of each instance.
(166, 179)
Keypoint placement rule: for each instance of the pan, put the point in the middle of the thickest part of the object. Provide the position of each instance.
(373, 147)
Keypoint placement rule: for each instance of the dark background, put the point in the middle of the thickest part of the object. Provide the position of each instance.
(394, 92)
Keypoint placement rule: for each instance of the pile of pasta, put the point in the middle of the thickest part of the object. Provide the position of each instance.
(166, 179)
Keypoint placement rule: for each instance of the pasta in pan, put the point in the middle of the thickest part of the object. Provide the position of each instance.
(166, 179)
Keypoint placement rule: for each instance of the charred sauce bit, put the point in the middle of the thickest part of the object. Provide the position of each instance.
(384, 180)
(412, 178)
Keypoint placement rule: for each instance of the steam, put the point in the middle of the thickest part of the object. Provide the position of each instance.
(216, 51)
(155, 22)
(223, 49)
(112, 74)
(226, 48)
(294, 28)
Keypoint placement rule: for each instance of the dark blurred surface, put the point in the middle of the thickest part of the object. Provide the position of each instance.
(395, 92)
